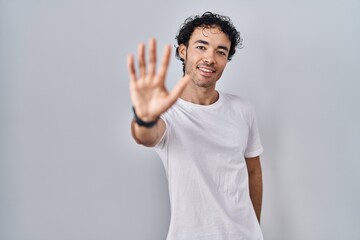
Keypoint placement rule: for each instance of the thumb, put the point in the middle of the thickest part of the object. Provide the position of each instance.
(179, 88)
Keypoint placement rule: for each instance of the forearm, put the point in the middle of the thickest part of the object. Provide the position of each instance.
(256, 190)
(145, 136)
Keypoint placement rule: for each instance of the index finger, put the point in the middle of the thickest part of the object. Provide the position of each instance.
(165, 63)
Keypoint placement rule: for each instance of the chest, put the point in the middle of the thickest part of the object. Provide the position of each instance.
(211, 133)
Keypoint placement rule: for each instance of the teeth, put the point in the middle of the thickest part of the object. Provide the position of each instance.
(205, 70)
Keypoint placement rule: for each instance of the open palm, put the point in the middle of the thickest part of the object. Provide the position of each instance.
(147, 89)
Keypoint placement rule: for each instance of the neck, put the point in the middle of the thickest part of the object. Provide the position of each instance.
(201, 96)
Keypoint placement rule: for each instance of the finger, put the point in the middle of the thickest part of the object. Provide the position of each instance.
(131, 68)
(141, 56)
(179, 88)
(165, 63)
(152, 58)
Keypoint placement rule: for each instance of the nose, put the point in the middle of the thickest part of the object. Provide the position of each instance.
(209, 57)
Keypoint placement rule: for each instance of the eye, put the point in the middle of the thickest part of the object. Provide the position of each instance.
(201, 47)
(222, 53)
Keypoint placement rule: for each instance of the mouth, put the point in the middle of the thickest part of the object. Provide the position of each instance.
(206, 70)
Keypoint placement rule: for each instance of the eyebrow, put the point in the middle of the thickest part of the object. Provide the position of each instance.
(207, 43)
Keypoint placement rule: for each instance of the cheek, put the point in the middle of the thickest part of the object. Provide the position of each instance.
(222, 64)
(221, 67)
(190, 61)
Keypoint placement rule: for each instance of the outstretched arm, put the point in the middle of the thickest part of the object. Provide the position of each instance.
(255, 183)
(149, 95)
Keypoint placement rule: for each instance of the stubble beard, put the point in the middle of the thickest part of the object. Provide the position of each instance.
(193, 72)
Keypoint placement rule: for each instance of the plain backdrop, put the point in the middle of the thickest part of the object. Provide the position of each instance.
(69, 168)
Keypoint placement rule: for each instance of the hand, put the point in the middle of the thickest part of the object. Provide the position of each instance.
(148, 93)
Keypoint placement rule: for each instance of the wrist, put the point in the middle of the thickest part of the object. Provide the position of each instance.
(143, 123)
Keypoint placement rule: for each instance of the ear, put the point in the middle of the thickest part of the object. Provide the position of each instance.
(182, 51)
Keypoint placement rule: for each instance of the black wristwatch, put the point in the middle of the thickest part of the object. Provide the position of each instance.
(143, 123)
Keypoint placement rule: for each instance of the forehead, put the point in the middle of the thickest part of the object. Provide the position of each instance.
(212, 34)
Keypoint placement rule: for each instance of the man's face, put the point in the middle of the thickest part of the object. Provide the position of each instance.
(206, 56)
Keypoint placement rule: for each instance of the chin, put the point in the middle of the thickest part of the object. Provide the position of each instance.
(205, 84)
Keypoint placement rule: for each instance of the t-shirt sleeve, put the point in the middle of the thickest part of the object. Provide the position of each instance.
(254, 147)
(161, 144)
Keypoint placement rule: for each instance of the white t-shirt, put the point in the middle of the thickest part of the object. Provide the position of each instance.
(203, 151)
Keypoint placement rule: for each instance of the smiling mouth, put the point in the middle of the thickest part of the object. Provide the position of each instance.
(207, 70)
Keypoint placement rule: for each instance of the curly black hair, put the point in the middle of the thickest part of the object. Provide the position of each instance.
(205, 20)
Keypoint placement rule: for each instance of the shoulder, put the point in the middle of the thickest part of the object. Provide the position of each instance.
(172, 113)
(237, 103)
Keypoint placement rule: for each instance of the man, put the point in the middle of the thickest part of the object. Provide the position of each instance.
(207, 140)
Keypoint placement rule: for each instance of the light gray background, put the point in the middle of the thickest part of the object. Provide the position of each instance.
(69, 168)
